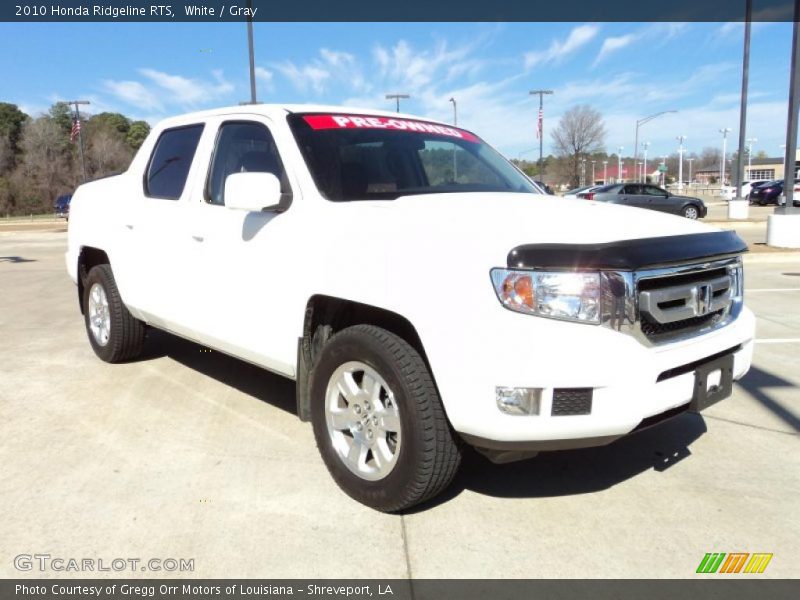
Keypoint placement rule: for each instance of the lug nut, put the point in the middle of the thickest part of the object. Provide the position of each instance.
(369, 434)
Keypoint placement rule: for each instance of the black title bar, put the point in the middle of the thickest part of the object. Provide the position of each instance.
(407, 11)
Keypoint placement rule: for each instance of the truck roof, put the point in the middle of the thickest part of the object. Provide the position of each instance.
(277, 110)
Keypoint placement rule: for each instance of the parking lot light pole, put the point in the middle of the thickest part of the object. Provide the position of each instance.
(641, 122)
(593, 178)
(748, 16)
(789, 157)
(750, 142)
(455, 147)
(725, 131)
(605, 172)
(680, 139)
(645, 146)
(783, 227)
(251, 52)
(619, 163)
(396, 98)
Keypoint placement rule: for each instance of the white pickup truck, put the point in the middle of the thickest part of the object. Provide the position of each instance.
(413, 283)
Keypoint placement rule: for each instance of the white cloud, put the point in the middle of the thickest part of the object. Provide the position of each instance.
(266, 77)
(612, 44)
(655, 34)
(317, 74)
(187, 91)
(160, 90)
(304, 78)
(558, 50)
(134, 93)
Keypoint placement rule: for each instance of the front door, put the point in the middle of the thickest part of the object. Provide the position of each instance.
(238, 262)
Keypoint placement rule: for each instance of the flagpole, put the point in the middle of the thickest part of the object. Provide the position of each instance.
(540, 125)
(80, 133)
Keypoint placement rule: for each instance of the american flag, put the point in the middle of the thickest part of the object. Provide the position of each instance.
(76, 130)
(539, 124)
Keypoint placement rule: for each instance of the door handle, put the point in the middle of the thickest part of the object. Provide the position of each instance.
(197, 238)
(129, 225)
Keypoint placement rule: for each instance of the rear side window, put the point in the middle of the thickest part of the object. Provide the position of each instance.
(169, 165)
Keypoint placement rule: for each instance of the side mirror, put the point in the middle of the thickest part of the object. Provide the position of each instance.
(255, 192)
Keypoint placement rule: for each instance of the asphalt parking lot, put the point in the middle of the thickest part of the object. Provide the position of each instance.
(190, 454)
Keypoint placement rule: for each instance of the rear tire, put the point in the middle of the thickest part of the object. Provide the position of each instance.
(114, 334)
(378, 420)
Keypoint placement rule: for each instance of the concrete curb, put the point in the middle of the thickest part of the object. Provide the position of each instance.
(734, 222)
(778, 256)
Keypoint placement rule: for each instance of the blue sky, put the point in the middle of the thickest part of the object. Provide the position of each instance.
(624, 70)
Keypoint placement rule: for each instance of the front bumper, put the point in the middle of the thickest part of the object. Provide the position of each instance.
(627, 379)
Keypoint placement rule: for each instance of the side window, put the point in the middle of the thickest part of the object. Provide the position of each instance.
(652, 190)
(169, 165)
(243, 147)
(632, 189)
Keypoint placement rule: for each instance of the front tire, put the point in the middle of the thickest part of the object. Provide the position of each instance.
(378, 420)
(115, 334)
(690, 211)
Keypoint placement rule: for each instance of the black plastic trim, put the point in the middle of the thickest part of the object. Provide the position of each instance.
(659, 418)
(538, 445)
(692, 366)
(629, 255)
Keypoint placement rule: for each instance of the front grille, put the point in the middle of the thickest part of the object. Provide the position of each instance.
(699, 276)
(654, 330)
(572, 401)
(684, 303)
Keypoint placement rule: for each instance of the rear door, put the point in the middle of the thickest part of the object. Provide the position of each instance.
(631, 195)
(150, 238)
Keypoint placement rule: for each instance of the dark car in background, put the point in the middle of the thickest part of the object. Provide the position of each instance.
(61, 206)
(644, 195)
(768, 193)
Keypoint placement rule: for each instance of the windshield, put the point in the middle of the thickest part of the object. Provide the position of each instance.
(354, 157)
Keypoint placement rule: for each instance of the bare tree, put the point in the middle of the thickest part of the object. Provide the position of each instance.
(6, 156)
(46, 169)
(580, 132)
(710, 158)
(107, 153)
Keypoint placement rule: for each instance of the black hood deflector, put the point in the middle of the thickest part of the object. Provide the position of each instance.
(629, 255)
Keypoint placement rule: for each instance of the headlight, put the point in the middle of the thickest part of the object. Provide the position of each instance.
(568, 296)
(736, 272)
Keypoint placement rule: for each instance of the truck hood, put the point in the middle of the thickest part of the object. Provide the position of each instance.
(514, 219)
(477, 231)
